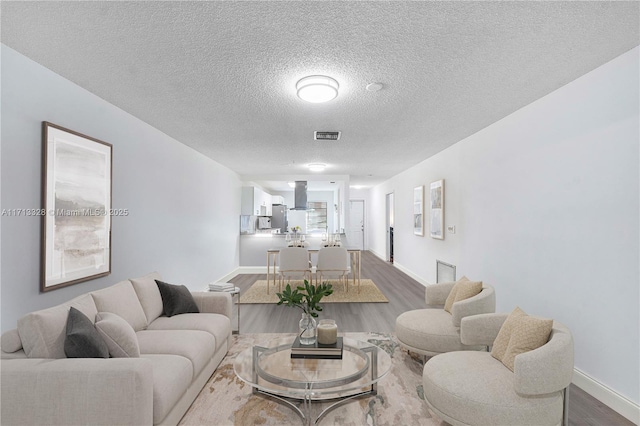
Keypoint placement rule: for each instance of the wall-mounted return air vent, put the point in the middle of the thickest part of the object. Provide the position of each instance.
(326, 136)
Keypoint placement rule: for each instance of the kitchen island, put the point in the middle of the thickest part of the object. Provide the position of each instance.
(254, 246)
(258, 253)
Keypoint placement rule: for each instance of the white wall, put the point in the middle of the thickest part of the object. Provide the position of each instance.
(546, 208)
(184, 207)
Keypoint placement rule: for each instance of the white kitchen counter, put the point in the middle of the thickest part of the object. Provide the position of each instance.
(253, 247)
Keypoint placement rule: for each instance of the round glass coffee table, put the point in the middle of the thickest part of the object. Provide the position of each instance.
(271, 371)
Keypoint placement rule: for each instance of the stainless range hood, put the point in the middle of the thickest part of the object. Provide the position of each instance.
(300, 195)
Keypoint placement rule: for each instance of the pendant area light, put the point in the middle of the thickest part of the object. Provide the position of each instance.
(317, 89)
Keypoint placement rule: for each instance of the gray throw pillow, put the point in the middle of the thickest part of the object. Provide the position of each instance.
(176, 299)
(82, 339)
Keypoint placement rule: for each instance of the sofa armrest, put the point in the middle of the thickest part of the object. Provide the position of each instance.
(212, 302)
(548, 368)
(116, 391)
(482, 303)
(481, 330)
(436, 294)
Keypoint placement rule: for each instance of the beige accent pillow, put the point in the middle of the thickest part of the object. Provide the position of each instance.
(528, 333)
(468, 289)
(452, 295)
(118, 335)
(502, 339)
(463, 290)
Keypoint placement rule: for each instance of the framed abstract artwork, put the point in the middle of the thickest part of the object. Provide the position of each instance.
(437, 209)
(418, 210)
(76, 208)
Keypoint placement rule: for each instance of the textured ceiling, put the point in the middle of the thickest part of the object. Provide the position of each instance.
(220, 76)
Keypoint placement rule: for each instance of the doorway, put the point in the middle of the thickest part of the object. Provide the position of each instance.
(356, 224)
(389, 226)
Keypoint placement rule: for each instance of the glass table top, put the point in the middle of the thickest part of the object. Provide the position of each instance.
(270, 368)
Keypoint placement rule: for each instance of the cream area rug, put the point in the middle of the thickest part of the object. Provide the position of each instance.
(227, 401)
(369, 293)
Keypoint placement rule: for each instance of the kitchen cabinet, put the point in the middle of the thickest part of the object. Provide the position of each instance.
(255, 202)
(277, 199)
(263, 200)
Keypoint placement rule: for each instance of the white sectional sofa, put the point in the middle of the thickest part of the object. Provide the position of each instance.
(178, 354)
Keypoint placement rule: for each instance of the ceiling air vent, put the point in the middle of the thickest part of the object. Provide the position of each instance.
(326, 136)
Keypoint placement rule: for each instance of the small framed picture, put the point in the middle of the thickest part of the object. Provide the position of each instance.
(437, 209)
(418, 210)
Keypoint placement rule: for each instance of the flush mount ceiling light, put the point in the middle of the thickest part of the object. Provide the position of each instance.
(317, 167)
(317, 89)
(291, 184)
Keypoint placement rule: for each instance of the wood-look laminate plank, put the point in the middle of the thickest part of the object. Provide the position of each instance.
(404, 294)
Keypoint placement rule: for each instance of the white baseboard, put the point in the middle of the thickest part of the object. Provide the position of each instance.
(403, 269)
(610, 398)
(227, 277)
(411, 274)
(380, 255)
(253, 270)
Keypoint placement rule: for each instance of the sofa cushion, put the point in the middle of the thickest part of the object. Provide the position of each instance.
(429, 330)
(118, 335)
(176, 299)
(528, 333)
(122, 300)
(43, 332)
(197, 346)
(502, 339)
(215, 324)
(172, 375)
(149, 295)
(476, 389)
(451, 298)
(82, 340)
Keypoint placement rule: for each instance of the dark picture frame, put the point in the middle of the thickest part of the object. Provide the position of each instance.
(76, 207)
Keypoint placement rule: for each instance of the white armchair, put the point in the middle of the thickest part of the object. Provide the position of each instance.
(473, 388)
(433, 331)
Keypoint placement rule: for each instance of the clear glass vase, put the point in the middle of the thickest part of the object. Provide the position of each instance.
(307, 330)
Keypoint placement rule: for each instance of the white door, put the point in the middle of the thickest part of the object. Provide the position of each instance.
(356, 224)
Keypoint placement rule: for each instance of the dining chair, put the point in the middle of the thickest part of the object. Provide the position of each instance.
(294, 264)
(334, 262)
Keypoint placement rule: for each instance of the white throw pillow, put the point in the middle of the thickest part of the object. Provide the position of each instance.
(118, 335)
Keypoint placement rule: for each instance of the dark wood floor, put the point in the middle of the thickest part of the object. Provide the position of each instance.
(404, 293)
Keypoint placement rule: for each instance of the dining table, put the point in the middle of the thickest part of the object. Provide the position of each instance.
(355, 255)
